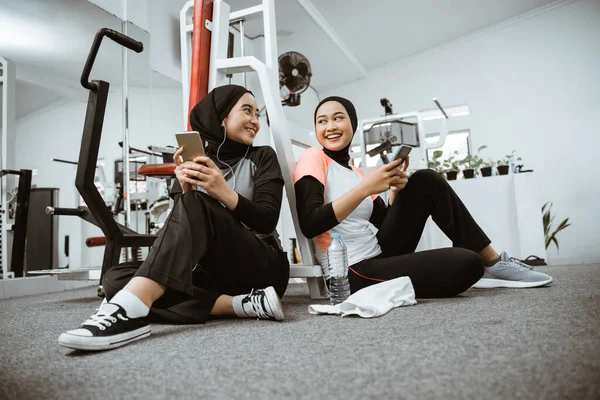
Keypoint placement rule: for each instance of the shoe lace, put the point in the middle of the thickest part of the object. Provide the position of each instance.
(255, 300)
(102, 320)
(519, 264)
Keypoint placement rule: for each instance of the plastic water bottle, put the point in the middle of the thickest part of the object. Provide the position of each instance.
(337, 258)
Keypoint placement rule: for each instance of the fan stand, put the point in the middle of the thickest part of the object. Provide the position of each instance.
(293, 100)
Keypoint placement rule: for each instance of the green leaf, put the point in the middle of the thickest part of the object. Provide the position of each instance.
(556, 243)
(544, 206)
(563, 225)
(558, 230)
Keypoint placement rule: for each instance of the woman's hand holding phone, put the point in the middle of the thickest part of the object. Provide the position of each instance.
(185, 171)
(400, 181)
(203, 172)
(380, 179)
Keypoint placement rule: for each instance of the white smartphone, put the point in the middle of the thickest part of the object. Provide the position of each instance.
(191, 143)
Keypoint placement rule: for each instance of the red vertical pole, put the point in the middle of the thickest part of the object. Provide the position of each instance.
(203, 10)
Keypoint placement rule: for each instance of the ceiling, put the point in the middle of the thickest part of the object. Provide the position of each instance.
(49, 39)
(379, 32)
(54, 37)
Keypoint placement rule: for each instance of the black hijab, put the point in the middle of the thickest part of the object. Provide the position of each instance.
(341, 156)
(206, 118)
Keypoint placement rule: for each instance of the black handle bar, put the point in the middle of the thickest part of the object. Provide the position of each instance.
(118, 37)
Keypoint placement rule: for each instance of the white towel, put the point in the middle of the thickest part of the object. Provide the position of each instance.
(372, 301)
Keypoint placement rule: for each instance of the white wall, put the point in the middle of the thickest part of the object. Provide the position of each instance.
(55, 132)
(532, 85)
(165, 56)
(303, 114)
(157, 18)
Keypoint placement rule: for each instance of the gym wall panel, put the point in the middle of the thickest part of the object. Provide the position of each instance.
(528, 84)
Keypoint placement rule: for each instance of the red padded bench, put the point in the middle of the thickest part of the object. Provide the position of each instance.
(164, 171)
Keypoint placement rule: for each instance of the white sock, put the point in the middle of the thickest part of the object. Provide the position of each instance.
(134, 307)
(238, 309)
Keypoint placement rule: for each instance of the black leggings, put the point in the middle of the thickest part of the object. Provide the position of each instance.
(201, 253)
(434, 273)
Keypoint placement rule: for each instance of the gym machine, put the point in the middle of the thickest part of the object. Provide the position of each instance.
(117, 236)
(21, 215)
(390, 131)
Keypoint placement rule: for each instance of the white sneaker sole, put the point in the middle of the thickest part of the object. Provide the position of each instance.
(487, 283)
(274, 303)
(102, 343)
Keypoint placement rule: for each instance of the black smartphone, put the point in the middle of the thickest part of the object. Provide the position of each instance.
(402, 153)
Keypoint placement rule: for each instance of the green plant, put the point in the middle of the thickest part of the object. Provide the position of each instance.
(489, 163)
(451, 164)
(473, 161)
(435, 163)
(447, 164)
(507, 160)
(548, 218)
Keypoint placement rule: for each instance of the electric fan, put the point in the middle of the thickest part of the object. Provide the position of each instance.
(294, 77)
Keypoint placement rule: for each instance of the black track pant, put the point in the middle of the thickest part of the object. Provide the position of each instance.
(434, 273)
(201, 253)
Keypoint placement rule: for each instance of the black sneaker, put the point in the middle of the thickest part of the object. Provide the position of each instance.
(107, 329)
(263, 304)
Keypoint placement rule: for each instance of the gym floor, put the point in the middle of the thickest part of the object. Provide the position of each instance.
(485, 344)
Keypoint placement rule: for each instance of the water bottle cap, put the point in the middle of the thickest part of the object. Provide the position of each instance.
(336, 236)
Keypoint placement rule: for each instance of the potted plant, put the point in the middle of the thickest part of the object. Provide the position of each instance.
(451, 167)
(469, 167)
(472, 163)
(435, 163)
(506, 162)
(548, 218)
(486, 170)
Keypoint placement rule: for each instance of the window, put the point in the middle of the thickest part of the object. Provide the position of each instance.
(456, 141)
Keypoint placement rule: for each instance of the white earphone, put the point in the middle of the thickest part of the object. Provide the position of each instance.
(219, 149)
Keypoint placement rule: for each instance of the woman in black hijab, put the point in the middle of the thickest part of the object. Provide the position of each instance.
(332, 196)
(218, 253)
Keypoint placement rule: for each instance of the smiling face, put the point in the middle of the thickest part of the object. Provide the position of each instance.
(241, 123)
(333, 126)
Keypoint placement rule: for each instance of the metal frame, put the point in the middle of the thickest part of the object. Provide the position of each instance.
(125, 126)
(17, 262)
(399, 117)
(194, 64)
(8, 79)
(268, 72)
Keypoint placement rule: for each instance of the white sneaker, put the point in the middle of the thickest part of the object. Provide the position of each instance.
(263, 304)
(511, 273)
(107, 329)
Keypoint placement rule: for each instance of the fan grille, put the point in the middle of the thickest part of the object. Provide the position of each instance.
(294, 72)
